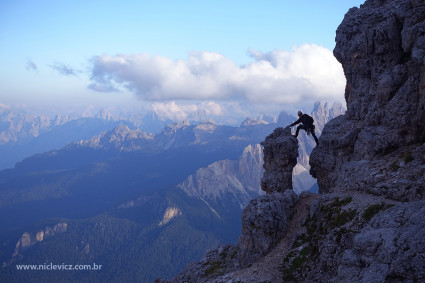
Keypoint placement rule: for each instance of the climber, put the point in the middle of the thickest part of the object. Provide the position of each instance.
(306, 124)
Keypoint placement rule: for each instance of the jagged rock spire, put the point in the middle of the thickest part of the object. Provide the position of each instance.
(280, 157)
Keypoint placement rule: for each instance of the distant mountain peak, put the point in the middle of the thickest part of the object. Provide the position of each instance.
(172, 128)
(121, 130)
(208, 121)
(252, 122)
(285, 119)
(121, 137)
(206, 126)
(104, 114)
(323, 113)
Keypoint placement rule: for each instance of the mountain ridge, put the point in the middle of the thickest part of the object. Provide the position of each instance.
(126, 179)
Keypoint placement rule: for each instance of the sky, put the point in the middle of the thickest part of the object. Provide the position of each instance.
(171, 56)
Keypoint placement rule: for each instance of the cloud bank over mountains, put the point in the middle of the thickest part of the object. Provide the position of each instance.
(208, 85)
(178, 112)
(305, 74)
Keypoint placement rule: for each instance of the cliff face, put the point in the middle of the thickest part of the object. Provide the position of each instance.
(372, 159)
(323, 112)
(377, 146)
(26, 240)
(231, 180)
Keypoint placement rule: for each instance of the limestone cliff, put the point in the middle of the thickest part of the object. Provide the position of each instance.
(377, 146)
(27, 240)
(236, 181)
(372, 159)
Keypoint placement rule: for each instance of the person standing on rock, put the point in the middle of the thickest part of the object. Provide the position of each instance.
(306, 125)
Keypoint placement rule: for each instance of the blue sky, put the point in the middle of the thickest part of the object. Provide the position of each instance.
(68, 52)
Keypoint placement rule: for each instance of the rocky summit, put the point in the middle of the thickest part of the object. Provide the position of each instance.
(366, 224)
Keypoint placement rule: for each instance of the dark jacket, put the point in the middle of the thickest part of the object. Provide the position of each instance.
(306, 120)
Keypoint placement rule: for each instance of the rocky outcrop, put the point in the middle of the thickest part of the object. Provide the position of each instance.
(23, 244)
(170, 213)
(322, 113)
(390, 248)
(264, 220)
(280, 157)
(357, 238)
(373, 147)
(264, 223)
(26, 241)
(214, 263)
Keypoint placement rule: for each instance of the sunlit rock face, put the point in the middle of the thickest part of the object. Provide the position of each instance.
(228, 181)
(170, 213)
(26, 240)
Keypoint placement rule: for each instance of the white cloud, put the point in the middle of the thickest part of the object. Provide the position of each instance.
(306, 73)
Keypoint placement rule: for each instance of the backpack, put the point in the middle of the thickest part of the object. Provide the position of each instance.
(308, 120)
